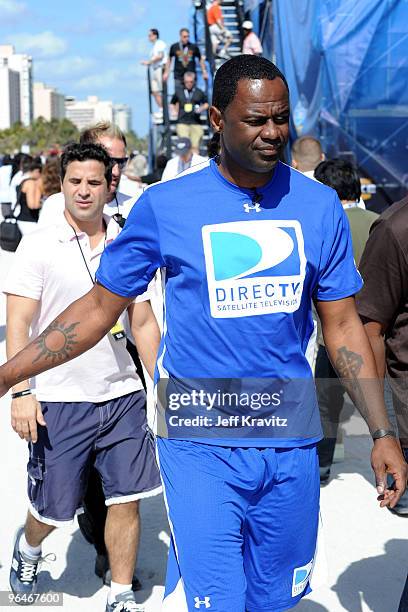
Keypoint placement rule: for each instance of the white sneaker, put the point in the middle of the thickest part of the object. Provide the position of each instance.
(125, 602)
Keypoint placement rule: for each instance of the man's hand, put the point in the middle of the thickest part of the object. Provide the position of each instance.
(165, 76)
(387, 458)
(25, 414)
(145, 63)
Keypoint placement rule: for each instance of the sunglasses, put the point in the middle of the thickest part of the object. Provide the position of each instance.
(121, 161)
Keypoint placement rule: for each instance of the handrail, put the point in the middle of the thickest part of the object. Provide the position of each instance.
(154, 130)
(208, 44)
(200, 8)
(151, 149)
(265, 16)
(166, 120)
(239, 6)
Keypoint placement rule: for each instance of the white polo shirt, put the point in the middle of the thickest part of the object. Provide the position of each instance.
(53, 207)
(48, 266)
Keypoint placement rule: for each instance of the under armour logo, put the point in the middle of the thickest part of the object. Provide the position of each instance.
(202, 602)
(256, 207)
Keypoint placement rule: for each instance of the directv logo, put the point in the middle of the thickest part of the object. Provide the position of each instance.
(254, 267)
(301, 577)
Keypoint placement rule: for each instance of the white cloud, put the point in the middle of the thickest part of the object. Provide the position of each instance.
(121, 48)
(68, 68)
(129, 48)
(12, 8)
(143, 47)
(117, 19)
(100, 80)
(110, 82)
(136, 70)
(44, 44)
(104, 19)
(138, 74)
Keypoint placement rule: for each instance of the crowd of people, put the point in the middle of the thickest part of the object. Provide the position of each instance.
(189, 103)
(239, 234)
(25, 183)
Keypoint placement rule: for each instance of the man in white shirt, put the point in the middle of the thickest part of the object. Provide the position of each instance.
(251, 44)
(118, 206)
(90, 410)
(157, 61)
(184, 160)
(114, 141)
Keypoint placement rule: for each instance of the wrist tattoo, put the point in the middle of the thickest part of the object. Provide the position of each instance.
(56, 342)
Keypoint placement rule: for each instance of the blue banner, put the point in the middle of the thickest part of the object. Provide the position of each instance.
(346, 63)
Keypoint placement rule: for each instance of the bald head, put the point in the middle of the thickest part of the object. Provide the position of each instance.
(306, 153)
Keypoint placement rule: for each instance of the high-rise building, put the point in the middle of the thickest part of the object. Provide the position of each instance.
(9, 95)
(48, 103)
(122, 117)
(84, 113)
(23, 64)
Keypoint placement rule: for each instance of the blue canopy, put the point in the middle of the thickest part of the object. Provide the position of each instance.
(346, 63)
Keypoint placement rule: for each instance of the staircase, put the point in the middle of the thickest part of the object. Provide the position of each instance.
(232, 22)
(162, 134)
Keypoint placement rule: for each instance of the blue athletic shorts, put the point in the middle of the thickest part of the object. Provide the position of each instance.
(112, 435)
(244, 526)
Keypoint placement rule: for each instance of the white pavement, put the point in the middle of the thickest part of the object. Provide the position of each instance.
(366, 547)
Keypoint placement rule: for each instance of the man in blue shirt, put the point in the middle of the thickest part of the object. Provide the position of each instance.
(245, 244)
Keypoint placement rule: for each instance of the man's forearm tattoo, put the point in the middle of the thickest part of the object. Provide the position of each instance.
(348, 366)
(56, 342)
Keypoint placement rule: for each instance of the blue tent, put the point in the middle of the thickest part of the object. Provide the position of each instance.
(346, 62)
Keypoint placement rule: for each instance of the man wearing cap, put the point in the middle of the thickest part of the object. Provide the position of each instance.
(251, 44)
(184, 160)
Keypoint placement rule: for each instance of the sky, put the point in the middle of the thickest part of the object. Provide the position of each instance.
(93, 47)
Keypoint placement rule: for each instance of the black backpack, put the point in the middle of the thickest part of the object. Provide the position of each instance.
(10, 234)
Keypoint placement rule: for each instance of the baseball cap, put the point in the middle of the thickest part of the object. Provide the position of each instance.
(247, 25)
(182, 146)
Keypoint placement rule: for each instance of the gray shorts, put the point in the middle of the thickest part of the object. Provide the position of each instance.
(112, 435)
(218, 34)
(156, 79)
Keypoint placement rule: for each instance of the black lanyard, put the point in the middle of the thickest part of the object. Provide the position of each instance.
(93, 280)
(118, 217)
(188, 95)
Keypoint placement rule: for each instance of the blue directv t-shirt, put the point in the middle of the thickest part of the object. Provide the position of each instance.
(240, 271)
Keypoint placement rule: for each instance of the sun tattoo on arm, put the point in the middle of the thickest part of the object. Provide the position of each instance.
(56, 342)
